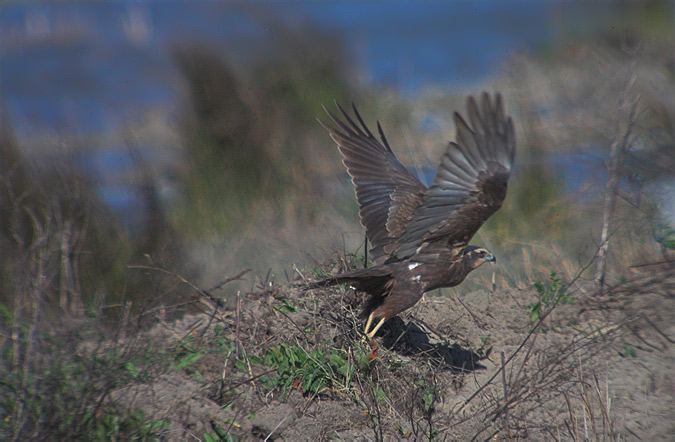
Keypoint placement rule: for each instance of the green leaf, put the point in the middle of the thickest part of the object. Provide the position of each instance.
(308, 382)
(318, 385)
(257, 360)
(629, 351)
(187, 360)
(336, 361)
(132, 369)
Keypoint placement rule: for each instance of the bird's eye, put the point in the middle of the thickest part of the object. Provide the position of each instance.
(481, 253)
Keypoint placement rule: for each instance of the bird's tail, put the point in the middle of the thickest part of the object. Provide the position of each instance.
(363, 279)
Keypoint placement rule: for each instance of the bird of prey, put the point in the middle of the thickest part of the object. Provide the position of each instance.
(420, 236)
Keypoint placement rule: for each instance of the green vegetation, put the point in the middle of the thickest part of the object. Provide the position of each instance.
(64, 394)
(185, 356)
(666, 237)
(317, 371)
(628, 351)
(219, 434)
(248, 134)
(549, 294)
(286, 306)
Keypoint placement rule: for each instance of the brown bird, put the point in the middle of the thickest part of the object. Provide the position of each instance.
(420, 236)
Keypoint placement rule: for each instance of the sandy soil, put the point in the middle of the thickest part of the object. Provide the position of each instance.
(475, 368)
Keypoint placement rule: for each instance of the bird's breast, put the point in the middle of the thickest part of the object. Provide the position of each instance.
(432, 276)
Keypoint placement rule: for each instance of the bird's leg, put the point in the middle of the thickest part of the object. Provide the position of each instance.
(370, 321)
(377, 327)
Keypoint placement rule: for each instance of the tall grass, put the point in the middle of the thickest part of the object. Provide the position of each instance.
(249, 130)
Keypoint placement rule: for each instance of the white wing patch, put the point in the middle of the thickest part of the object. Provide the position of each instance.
(412, 265)
(416, 278)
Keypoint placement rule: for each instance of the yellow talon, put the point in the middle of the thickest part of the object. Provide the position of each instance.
(371, 335)
(370, 321)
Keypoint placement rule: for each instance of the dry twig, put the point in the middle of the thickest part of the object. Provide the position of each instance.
(617, 154)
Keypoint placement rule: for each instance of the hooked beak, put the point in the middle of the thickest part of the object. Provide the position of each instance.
(491, 258)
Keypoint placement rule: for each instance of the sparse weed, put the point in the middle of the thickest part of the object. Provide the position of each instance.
(428, 398)
(666, 237)
(426, 395)
(222, 344)
(485, 345)
(285, 307)
(186, 354)
(628, 351)
(62, 396)
(133, 425)
(552, 293)
(358, 261)
(321, 273)
(219, 434)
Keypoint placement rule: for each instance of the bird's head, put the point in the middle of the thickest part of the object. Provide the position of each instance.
(476, 256)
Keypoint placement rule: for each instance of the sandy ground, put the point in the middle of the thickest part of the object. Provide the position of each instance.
(475, 368)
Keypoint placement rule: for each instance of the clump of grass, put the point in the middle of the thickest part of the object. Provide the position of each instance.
(186, 354)
(51, 389)
(314, 371)
(219, 434)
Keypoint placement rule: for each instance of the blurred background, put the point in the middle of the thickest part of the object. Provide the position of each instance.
(183, 136)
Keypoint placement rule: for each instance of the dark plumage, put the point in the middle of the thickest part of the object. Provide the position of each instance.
(420, 235)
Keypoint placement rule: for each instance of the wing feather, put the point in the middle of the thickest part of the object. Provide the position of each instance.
(470, 184)
(386, 192)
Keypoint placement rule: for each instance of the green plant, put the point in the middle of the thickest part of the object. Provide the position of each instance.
(549, 294)
(218, 434)
(313, 371)
(666, 237)
(286, 306)
(358, 261)
(133, 425)
(428, 394)
(486, 345)
(222, 344)
(628, 351)
(186, 354)
(321, 273)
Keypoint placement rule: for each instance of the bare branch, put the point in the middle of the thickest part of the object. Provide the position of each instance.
(617, 155)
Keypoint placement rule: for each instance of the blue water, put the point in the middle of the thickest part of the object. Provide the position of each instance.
(78, 65)
(93, 68)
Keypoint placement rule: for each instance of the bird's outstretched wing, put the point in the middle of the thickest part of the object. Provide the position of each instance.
(387, 193)
(470, 183)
